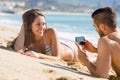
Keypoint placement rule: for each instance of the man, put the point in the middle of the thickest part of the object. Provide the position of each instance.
(108, 50)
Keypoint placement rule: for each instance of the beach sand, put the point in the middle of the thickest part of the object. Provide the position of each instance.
(15, 66)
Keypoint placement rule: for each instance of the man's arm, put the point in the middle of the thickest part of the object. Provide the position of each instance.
(103, 62)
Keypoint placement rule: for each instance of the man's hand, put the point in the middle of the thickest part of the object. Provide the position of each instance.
(82, 56)
(89, 47)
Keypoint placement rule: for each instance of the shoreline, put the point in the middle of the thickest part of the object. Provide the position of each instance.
(64, 13)
(52, 13)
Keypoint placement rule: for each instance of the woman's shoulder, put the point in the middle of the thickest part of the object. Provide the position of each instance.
(50, 30)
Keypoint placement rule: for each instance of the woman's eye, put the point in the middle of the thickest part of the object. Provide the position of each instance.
(44, 23)
(38, 24)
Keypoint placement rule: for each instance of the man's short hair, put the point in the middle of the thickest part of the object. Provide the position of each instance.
(105, 16)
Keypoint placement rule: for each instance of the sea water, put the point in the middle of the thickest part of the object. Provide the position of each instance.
(68, 26)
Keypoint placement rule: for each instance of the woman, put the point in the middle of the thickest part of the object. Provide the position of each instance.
(36, 40)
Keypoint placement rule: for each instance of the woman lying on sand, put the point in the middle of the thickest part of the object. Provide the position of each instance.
(36, 40)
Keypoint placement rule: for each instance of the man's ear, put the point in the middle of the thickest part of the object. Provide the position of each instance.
(102, 27)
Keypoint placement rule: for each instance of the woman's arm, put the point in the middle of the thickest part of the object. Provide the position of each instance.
(19, 43)
(54, 42)
(40, 55)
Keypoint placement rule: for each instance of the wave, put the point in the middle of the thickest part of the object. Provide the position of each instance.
(10, 23)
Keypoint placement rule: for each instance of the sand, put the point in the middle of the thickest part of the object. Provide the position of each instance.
(15, 66)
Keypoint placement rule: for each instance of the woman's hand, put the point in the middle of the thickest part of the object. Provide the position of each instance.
(40, 55)
(21, 51)
(32, 54)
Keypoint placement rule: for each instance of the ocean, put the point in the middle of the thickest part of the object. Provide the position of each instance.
(68, 26)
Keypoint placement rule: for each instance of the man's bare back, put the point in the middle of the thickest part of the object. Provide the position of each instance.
(115, 49)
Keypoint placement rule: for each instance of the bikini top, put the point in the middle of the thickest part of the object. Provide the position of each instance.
(48, 50)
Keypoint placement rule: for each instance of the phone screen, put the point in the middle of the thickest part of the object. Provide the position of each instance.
(80, 40)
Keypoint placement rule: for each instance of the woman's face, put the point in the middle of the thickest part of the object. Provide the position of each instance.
(38, 26)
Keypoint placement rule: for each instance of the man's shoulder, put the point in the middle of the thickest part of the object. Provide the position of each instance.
(105, 41)
(109, 40)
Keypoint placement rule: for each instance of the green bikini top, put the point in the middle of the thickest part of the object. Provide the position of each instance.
(48, 49)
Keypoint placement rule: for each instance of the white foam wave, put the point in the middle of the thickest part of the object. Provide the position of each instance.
(91, 37)
(10, 23)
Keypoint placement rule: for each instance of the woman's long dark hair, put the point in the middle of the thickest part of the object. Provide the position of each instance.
(28, 18)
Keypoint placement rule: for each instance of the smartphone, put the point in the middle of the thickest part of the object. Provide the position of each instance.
(80, 40)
